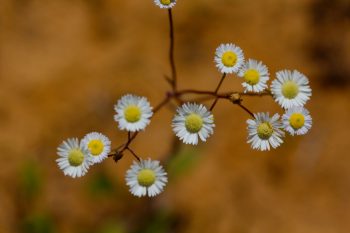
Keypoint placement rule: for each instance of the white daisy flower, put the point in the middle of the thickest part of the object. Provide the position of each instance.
(98, 145)
(291, 88)
(229, 58)
(74, 159)
(193, 121)
(264, 131)
(255, 75)
(146, 177)
(297, 120)
(166, 4)
(133, 113)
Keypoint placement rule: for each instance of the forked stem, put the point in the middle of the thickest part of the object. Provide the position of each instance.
(177, 95)
(216, 91)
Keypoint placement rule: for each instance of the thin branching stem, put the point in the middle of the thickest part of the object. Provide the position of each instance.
(133, 153)
(245, 109)
(171, 52)
(264, 93)
(177, 96)
(212, 93)
(191, 91)
(216, 91)
(163, 103)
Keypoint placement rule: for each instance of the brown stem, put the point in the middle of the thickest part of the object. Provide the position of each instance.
(216, 91)
(267, 92)
(212, 93)
(201, 98)
(191, 91)
(245, 109)
(133, 153)
(120, 149)
(164, 102)
(171, 52)
(176, 95)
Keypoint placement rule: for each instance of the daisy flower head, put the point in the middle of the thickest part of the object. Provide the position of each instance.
(229, 58)
(264, 131)
(193, 121)
(98, 146)
(165, 4)
(146, 177)
(290, 88)
(74, 158)
(297, 120)
(255, 75)
(133, 113)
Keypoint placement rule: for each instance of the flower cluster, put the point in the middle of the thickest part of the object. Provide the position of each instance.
(194, 122)
(75, 157)
(133, 113)
(290, 90)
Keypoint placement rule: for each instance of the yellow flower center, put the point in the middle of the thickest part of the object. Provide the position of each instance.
(165, 2)
(75, 157)
(229, 59)
(96, 147)
(290, 89)
(193, 123)
(132, 113)
(297, 120)
(146, 177)
(251, 76)
(265, 130)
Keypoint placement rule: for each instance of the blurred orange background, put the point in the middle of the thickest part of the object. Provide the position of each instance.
(64, 64)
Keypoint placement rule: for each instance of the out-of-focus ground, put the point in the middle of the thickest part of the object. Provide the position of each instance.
(63, 65)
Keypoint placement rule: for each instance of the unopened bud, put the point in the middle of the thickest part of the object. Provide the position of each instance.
(235, 98)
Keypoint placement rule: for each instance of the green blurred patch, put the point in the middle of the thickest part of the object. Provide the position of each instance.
(101, 185)
(182, 162)
(111, 227)
(38, 223)
(30, 179)
(161, 222)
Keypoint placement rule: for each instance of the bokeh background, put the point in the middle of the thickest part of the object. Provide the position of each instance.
(63, 65)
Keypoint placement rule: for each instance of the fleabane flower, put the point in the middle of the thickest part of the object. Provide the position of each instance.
(193, 121)
(297, 120)
(229, 58)
(255, 75)
(146, 177)
(74, 158)
(98, 146)
(133, 113)
(264, 131)
(291, 88)
(165, 3)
